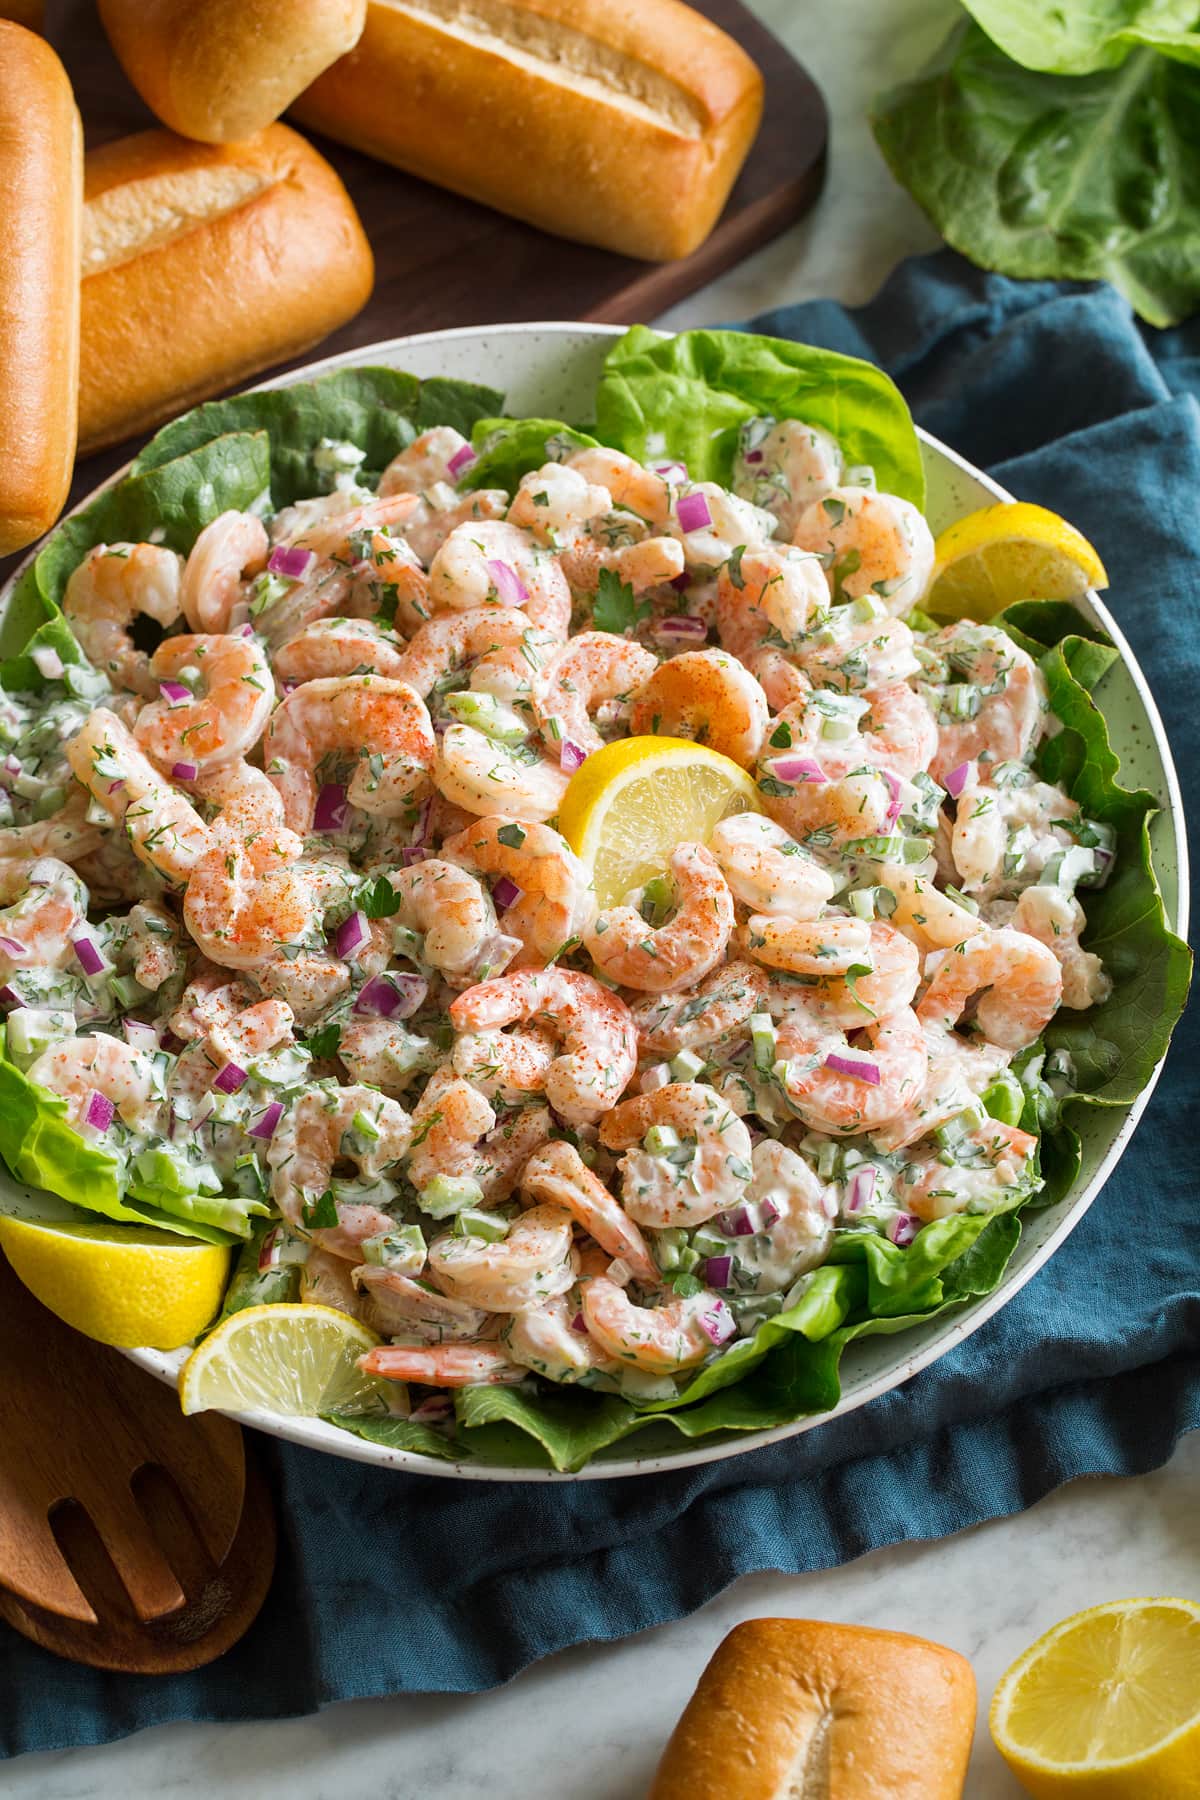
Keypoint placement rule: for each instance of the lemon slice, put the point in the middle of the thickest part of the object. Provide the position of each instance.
(123, 1284)
(629, 805)
(293, 1359)
(1005, 553)
(1107, 1705)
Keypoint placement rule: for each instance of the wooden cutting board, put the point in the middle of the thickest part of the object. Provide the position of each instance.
(443, 261)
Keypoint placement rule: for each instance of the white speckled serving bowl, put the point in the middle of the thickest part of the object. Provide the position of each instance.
(551, 371)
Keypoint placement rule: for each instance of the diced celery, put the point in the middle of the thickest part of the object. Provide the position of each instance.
(687, 1066)
(828, 1160)
(660, 1140)
(707, 1241)
(447, 1194)
(471, 1222)
(403, 1250)
(762, 1037)
(1004, 1099)
(32, 1029)
(636, 1384)
(862, 902)
(751, 1309)
(365, 1127)
(126, 991)
(487, 714)
(960, 1126)
(668, 1244)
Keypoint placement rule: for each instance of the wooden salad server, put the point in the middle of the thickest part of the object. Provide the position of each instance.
(131, 1537)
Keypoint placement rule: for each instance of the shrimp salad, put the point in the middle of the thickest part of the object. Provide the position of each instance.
(293, 951)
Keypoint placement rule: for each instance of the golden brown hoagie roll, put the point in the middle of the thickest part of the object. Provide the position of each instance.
(203, 264)
(617, 122)
(41, 156)
(833, 1712)
(219, 70)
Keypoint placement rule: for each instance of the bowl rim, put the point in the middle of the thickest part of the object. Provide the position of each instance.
(314, 1434)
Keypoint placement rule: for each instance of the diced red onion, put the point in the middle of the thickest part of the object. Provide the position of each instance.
(717, 1271)
(9, 998)
(506, 893)
(100, 1111)
(579, 1324)
(351, 934)
(391, 996)
(230, 1079)
(47, 662)
(184, 771)
(571, 756)
(860, 1190)
(894, 789)
(770, 1213)
(692, 512)
(288, 687)
(903, 1229)
(740, 1221)
(114, 787)
(462, 459)
(290, 561)
(797, 769)
(246, 630)
(329, 814)
(510, 589)
(265, 1127)
(658, 1075)
(957, 779)
(753, 456)
(495, 954)
(683, 627)
(175, 692)
(87, 952)
(434, 1411)
(139, 1036)
(850, 1065)
(681, 583)
(11, 948)
(413, 853)
(670, 471)
(11, 765)
(268, 1251)
(718, 1323)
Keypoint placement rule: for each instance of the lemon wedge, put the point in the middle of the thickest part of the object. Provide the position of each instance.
(1107, 1705)
(294, 1359)
(631, 803)
(123, 1284)
(1005, 553)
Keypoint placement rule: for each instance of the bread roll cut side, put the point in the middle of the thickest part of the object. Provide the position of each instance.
(222, 70)
(621, 123)
(204, 264)
(791, 1708)
(41, 158)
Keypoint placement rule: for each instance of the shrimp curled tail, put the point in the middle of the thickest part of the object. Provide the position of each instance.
(594, 1027)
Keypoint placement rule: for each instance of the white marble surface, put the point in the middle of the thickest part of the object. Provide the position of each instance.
(987, 1592)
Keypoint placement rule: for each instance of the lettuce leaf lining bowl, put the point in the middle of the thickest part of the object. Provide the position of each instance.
(550, 373)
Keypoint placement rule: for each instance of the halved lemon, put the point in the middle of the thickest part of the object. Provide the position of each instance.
(631, 803)
(293, 1359)
(1107, 1705)
(1009, 552)
(122, 1284)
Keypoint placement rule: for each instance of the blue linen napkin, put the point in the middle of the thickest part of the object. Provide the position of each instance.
(389, 1583)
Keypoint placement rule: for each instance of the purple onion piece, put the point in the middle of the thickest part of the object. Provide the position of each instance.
(753, 456)
(100, 1111)
(351, 935)
(268, 1252)
(797, 769)
(506, 893)
(88, 954)
(855, 1066)
(184, 771)
(175, 692)
(12, 948)
(291, 562)
(265, 1127)
(329, 814)
(957, 780)
(391, 996)
(903, 1229)
(692, 512)
(462, 459)
(718, 1323)
(571, 756)
(9, 998)
(860, 1190)
(717, 1271)
(510, 589)
(579, 1324)
(894, 789)
(230, 1079)
(139, 1036)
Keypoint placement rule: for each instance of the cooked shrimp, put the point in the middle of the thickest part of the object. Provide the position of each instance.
(45, 904)
(506, 1066)
(730, 522)
(886, 1072)
(80, 1067)
(107, 591)
(767, 870)
(452, 911)
(657, 960)
(1056, 919)
(327, 1280)
(448, 1122)
(891, 729)
(556, 502)
(1007, 826)
(817, 947)
(317, 1131)
(524, 1269)
(404, 1308)
(445, 644)
(855, 654)
(379, 728)
(496, 564)
(872, 544)
(930, 918)
(340, 647)
(770, 597)
(681, 1184)
(800, 1210)
(223, 716)
(706, 695)
(507, 1148)
(678, 1334)
(163, 827)
(723, 1003)
(444, 1365)
(425, 462)
(67, 835)
(884, 982)
(593, 1026)
(556, 901)
(958, 1073)
(441, 510)
(212, 997)
(645, 565)
(558, 1176)
(485, 777)
(247, 897)
(251, 1032)
(384, 1053)
(355, 557)
(154, 946)
(594, 669)
(783, 466)
(1018, 981)
(553, 1341)
(991, 1166)
(632, 487)
(591, 531)
(996, 709)
(216, 577)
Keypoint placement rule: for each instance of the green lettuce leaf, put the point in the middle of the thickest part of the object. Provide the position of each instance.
(686, 397)
(380, 410)
(1076, 39)
(399, 1434)
(510, 448)
(1091, 177)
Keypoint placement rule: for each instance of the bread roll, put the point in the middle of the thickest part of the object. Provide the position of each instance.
(41, 155)
(791, 1707)
(219, 70)
(203, 264)
(618, 122)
